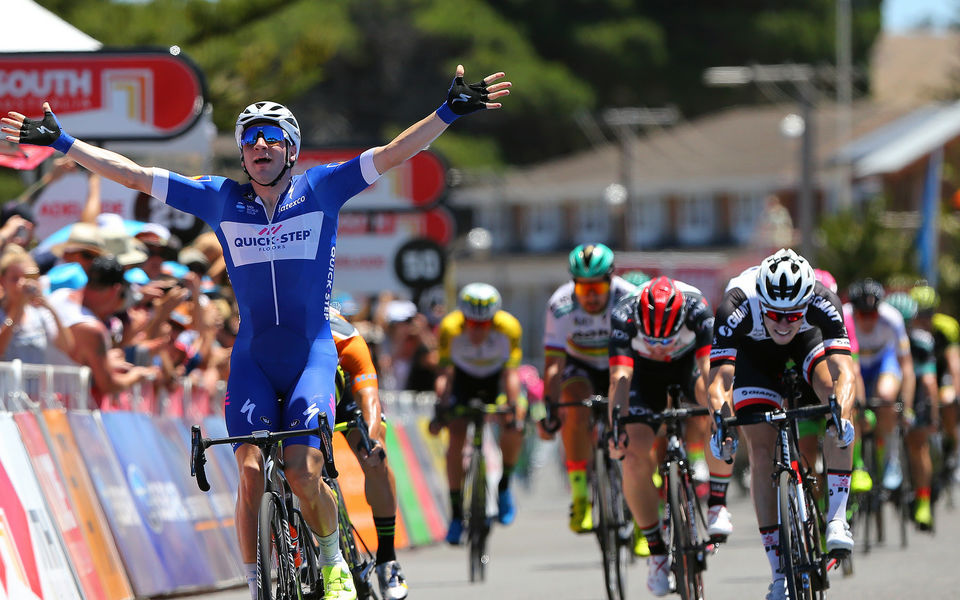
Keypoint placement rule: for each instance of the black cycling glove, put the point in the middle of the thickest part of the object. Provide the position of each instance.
(47, 132)
(463, 99)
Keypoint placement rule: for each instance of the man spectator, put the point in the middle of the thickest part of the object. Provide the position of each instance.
(408, 357)
(86, 312)
(161, 246)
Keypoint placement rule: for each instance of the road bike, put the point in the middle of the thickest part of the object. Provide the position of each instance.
(613, 523)
(800, 522)
(687, 543)
(287, 569)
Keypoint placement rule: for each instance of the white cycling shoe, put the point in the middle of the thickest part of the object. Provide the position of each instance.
(719, 524)
(658, 574)
(778, 590)
(839, 537)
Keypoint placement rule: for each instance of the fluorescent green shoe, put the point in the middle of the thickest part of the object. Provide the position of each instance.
(337, 583)
(640, 547)
(657, 480)
(923, 515)
(581, 515)
(860, 481)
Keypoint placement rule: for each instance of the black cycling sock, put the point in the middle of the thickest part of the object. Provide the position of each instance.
(456, 504)
(654, 539)
(386, 528)
(718, 489)
(505, 478)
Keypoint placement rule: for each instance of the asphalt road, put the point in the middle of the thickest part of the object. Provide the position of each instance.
(538, 557)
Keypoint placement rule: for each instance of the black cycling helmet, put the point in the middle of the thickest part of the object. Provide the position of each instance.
(865, 295)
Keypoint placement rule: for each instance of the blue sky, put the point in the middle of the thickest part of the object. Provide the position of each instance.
(900, 15)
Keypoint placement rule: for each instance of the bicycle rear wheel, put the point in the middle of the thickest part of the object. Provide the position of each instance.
(311, 580)
(273, 547)
(686, 551)
(475, 504)
(611, 522)
(361, 567)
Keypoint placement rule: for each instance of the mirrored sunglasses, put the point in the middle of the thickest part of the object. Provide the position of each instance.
(272, 135)
(790, 316)
(584, 288)
(478, 324)
(653, 341)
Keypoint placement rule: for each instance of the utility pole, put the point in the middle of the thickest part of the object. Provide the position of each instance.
(844, 99)
(801, 76)
(623, 122)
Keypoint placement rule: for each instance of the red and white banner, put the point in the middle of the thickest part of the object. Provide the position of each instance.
(106, 95)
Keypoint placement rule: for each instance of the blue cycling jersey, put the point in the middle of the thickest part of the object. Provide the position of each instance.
(281, 267)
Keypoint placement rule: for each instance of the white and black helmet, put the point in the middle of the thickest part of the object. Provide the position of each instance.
(785, 280)
(479, 301)
(272, 112)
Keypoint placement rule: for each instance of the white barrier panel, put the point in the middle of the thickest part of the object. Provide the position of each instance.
(29, 543)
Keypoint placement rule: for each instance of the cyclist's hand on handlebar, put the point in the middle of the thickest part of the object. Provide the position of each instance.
(550, 423)
(617, 448)
(376, 456)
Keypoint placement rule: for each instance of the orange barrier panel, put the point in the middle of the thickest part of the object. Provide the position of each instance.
(106, 560)
(60, 506)
(351, 485)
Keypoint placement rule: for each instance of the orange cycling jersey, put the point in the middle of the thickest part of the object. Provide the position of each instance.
(354, 354)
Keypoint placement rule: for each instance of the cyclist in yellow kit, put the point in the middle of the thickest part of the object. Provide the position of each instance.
(479, 348)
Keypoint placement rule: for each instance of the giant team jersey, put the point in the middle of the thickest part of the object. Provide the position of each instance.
(740, 317)
(572, 331)
(280, 265)
(888, 332)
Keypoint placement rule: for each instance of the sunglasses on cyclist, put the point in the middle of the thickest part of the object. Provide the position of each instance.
(791, 316)
(652, 341)
(272, 135)
(584, 288)
(478, 324)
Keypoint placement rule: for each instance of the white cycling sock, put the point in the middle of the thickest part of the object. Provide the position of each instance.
(770, 536)
(838, 482)
(250, 571)
(330, 548)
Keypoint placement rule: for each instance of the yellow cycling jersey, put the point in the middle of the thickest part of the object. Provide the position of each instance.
(500, 348)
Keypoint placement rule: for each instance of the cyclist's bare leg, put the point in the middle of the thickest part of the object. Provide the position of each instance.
(457, 430)
(511, 444)
(576, 431)
(379, 485)
(921, 466)
(638, 467)
(888, 386)
(250, 463)
(761, 449)
(318, 503)
(810, 450)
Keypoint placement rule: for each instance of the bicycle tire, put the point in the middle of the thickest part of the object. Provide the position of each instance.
(475, 504)
(273, 538)
(360, 568)
(905, 493)
(611, 519)
(311, 579)
(790, 540)
(685, 544)
(813, 546)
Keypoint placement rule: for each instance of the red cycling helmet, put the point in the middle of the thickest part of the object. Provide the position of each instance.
(661, 309)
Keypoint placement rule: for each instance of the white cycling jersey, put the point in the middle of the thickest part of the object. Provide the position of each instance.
(889, 331)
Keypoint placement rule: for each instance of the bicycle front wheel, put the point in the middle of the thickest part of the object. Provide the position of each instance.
(686, 549)
(475, 504)
(612, 519)
(273, 549)
(791, 538)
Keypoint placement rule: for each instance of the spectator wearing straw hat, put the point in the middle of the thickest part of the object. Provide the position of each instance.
(84, 243)
(28, 326)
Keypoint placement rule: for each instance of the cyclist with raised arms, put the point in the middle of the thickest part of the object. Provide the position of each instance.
(479, 348)
(278, 234)
(946, 338)
(576, 339)
(359, 388)
(884, 360)
(926, 408)
(660, 336)
(769, 315)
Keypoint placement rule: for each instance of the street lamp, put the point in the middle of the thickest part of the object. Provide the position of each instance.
(801, 76)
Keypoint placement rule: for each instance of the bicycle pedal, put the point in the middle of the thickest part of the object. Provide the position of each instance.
(839, 554)
(718, 539)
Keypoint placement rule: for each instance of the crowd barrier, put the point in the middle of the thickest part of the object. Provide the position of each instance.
(99, 504)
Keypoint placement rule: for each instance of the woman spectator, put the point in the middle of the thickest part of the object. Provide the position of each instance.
(27, 323)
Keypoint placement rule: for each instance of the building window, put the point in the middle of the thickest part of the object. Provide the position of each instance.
(648, 221)
(745, 212)
(544, 227)
(592, 224)
(695, 220)
(494, 219)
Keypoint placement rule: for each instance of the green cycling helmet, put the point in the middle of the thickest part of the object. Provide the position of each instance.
(926, 297)
(636, 278)
(591, 260)
(904, 304)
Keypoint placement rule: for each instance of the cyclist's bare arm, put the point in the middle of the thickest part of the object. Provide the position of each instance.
(700, 390)
(908, 387)
(443, 385)
(368, 399)
(840, 379)
(952, 356)
(929, 383)
(552, 367)
(720, 387)
(620, 378)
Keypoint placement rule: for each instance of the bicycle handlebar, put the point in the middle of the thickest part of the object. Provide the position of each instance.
(804, 412)
(261, 439)
(356, 421)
